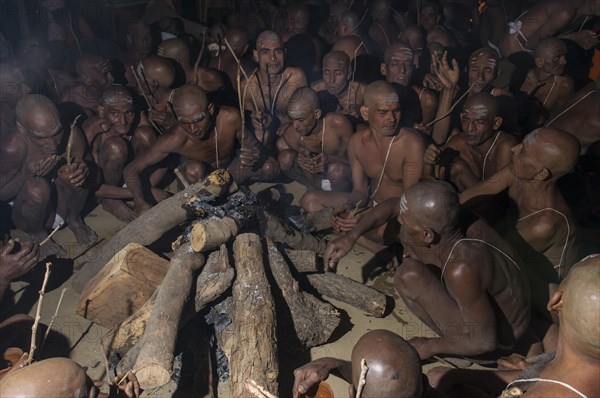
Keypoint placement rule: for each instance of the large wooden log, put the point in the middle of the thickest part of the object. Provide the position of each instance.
(213, 281)
(155, 359)
(254, 350)
(314, 321)
(150, 226)
(349, 291)
(124, 284)
(209, 234)
(303, 261)
(271, 227)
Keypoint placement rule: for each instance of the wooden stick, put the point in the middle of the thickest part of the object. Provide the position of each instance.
(59, 226)
(356, 208)
(257, 390)
(38, 315)
(70, 140)
(139, 83)
(200, 54)
(241, 103)
(431, 123)
(53, 318)
(363, 377)
(244, 73)
(181, 178)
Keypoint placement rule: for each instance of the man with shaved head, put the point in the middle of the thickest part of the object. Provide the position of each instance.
(205, 139)
(383, 30)
(298, 18)
(269, 89)
(394, 369)
(337, 82)
(139, 46)
(546, 81)
(312, 149)
(156, 76)
(385, 160)
(35, 168)
(352, 40)
(177, 50)
(457, 276)
(223, 60)
(545, 222)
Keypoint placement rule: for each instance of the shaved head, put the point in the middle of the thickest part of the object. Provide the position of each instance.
(485, 101)
(394, 366)
(547, 46)
(175, 49)
(484, 51)
(187, 97)
(116, 94)
(555, 149)
(395, 47)
(86, 61)
(350, 20)
(304, 99)
(379, 91)
(432, 204)
(300, 14)
(158, 69)
(33, 107)
(237, 37)
(580, 314)
(414, 36)
(338, 57)
(268, 36)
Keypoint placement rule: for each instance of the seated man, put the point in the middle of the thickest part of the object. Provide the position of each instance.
(545, 222)
(139, 46)
(352, 40)
(458, 276)
(34, 167)
(383, 30)
(177, 50)
(546, 81)
(336, 81)
(205, 138)
(384, 158)
(431, 16)
(115, 137)
(156, 76)
(312, 149)
(222, 59)
(94, 77)
(478, 151)
(394, 369)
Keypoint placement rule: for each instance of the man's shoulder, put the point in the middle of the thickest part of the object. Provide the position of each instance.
(293, 73)
(409, 135)
(318, 85)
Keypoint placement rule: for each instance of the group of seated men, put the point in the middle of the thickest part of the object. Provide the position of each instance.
(413, 133)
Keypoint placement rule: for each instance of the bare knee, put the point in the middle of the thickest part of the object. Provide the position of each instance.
(310, 202)
(37, 191)
(193, 171)
(287, 158)
(336, 171)
(270, 169)
(114, 148)
(143, 137)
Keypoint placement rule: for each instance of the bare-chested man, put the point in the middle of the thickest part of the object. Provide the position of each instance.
(328, 29)
(384, 158)
(270, 87)
(33, 161)
(312, 149)
(398, 68)
(383, 30)
(546, 81)
(94, 77)
(156, 75)
(12, 88)
(139, 46)
(431, 15)
(545, 19)
(458, 276)
(223, 60)
(337, 81)
(205, 138)
(115, 137)
(351, 40)
(177, 50)
(545, 221)
(479, 150)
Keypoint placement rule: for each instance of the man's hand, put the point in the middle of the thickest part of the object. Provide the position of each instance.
(13, 265)
(42, 167)
(336, 250)
(162, 116)
(447, 75)
(312, 163)
(310, 374)
(75, 173)
(261, 121)
(432, 154)
(586, 39)
(249, 157)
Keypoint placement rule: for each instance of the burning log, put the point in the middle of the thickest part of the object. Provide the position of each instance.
(155, 359)
(350, 292)
(271, 227)
(151, 225)
(314, 320)
(209, 234)
(254, 350)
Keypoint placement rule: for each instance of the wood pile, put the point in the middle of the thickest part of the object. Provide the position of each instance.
(221, 257)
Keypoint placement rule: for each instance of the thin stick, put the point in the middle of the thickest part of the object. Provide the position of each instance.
(38, 316)
(363, 377)
(257, 390)
(53, 318)
(431, 123)
(356, 208)
(244, 73)
(241, 103)
(200, 54)
(59, 226)
(442, 360)
(124, 377)
(70, 140)
(139, 83)
(181, 178)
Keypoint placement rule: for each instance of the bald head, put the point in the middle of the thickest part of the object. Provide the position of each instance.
(580, 313)
(175, 49)
(12, 84)
(398, 46)
(187, 98)
(547, 47)
(237, 37)
(432, 204)
(555, 149)
(379, 91)
(116, 94)
(484, 101)
(158, 70)
(337, 57)
(87, 61)
(299, 14)
(268, 36)
(35, 107)
(349, 22)
(303, 100)
(484, 51)
(394, 366)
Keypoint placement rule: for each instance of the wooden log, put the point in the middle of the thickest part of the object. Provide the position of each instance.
(314, 321)
(154, 362)
(123, 286)
(271, 227)
(209, 234)
(254, 350)
(150, 226)
(349, 291)
(215, 278)
(303, 260)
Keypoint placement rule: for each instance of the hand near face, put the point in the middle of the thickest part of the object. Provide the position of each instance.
(43, 167)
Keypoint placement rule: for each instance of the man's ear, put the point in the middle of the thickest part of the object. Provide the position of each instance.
(383, 69)
(543, 174)
(364, 112)
(101, 111)
(20, 128)
(318, 114)
(555, 303)
(539, 62)
(429, 236)
(497, 122)
(211, 108)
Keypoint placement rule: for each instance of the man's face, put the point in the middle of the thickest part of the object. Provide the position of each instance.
(141, 40)
(553, 60)
(34, 54)
(399, 66)
(100, 75)
(270, 56)
(411, 233)
(13, 89)
(120, 117)
(429, 18)
(195, 120)
(477, 124)
(384, 115)
(303, 120)
(482, 71)
(43, 132)
(525, 164)
(336, 76)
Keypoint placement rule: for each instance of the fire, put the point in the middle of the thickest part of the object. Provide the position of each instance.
(481, 4)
